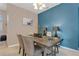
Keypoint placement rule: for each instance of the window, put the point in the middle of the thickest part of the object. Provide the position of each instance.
(1, 23)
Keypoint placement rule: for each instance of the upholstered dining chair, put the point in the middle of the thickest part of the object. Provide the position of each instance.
(21, 44)
(57, 42)
(58, 45)
(30, 50)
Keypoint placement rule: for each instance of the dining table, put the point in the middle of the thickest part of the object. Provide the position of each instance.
(47, 43)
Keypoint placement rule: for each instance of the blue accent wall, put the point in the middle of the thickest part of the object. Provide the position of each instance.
(78, 27)
(66, 16)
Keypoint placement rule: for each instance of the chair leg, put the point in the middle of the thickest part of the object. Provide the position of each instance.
(57, 50)
(54, 52)
(19, 50)
(42, 53)
(23, 52)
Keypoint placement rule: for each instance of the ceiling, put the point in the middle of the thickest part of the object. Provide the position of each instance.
(29, 6)
(3, 6)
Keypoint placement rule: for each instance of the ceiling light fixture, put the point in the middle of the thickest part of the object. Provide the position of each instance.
(39, 6)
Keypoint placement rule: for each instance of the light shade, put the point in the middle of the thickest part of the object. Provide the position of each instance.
(39, 6)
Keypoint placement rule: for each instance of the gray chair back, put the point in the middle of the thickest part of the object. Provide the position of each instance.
(28, 45)
(20, 40)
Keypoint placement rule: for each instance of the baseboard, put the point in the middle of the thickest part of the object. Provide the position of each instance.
(78, 48)
(13, 45)
(69, 49)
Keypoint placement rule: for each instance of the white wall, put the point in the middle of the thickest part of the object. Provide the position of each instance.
(15, 23)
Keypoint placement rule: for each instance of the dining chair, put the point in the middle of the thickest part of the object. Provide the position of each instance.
(30, 50)
(58, 45)
(21, 44)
